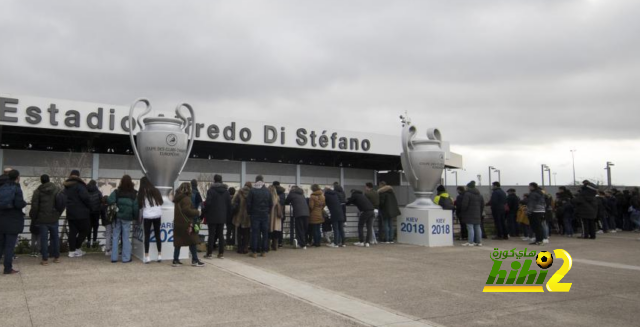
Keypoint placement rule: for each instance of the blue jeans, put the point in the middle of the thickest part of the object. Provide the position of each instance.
(192, 248)
(475, 233)
(259, 233)
(635, 218)
(568, 224)
(338, 232)
(45, 229)
(545, 230)
(121, 227)
(7, 246)
(387, 225)
(317, 233)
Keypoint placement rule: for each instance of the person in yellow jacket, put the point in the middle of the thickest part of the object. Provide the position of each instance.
(443, 198)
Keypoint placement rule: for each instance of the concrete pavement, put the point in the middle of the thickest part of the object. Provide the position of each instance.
(382, 285)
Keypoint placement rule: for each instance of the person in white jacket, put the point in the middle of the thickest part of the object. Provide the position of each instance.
(150, 201)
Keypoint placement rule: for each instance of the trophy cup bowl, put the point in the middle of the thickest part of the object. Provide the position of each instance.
(423, 162)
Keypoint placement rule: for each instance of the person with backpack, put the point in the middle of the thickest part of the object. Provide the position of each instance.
(125, 198)
(185, 228)
(78, 204)
(443, 198)
(300, 215)
(45, 217)
(217, 210)
(11, 218)
(95, 198)
(389, 210)
(150, 200)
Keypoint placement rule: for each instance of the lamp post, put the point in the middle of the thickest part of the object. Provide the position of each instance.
(543, 168)
(549, 171)
(555, 179)
(491, 168)
(573, 161)
(456, 173)
(445, 177)
(499, 179)
(608, 169)
(479, 180)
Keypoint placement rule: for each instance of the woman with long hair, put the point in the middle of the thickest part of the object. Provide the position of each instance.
(184, 233)
(150, 200)
(241, 218)
(275, 219)
(125, 199)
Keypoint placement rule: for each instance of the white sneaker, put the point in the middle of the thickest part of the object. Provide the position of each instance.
(295, 244)
(358, 244)
(72, 254)
(478, 244)
(618, 230)
(545, 241)
(366, 245)
(107, 253)
(146, 260)
(304, 247)
(467, 244)
(533, 239)
(600, 232)
(79, 253)
(612, 231)
(159, 258)
(331, 245)
(526, 239)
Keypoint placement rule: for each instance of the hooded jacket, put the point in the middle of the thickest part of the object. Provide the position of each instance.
(43, 204)
(240, 216)
(217, 207)
(342, 196)
(470, 207)
(585, 204)
(95, 198)
(316, 207)
(359, 200)
(182, 218)
(78, 201)
(513, 202)
(388, 203)
(127, 204)
(12, 220)
(297, 200)
(535, 202)
(259, 201)
(334, 205)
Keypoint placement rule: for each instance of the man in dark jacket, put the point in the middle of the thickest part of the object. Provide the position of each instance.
(78, 212)
(342, 196)
(366, 216)
(470, 212)
(536, 209)
(95, 197)
(389, 210)
(513, 203)
(586, 208)
(497, 202)
(11, 218)
(196, 198)
(259, 204)
(457, 203)
(46, 217)
(337, 217)
(300, 215)
(217, 210)
(281, 197)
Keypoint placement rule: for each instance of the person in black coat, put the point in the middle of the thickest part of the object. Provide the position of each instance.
(513, 203)
(95, 197)
(78, 212)
(337, 217)
(300, 214)
(586, 208)
(612, 211)
(11, 218)
(366, 216)
(497, 203)
(281, 198)
(259, 204)
(217, 210)
(463, 226)
(342, 197)
(230, 239)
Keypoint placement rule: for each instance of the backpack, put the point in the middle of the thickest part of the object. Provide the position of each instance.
(95, 199)
(446, 203)
(7, 196)
(61, 202)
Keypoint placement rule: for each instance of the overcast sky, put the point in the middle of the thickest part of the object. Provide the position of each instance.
(512, 84)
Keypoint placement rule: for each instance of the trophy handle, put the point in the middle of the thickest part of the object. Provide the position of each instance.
(186, 124)
(132, 123)
(407, 144)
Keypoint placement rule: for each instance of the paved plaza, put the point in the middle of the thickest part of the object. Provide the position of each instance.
(386, 285)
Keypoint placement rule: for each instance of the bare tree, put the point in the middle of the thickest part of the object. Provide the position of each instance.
(205, 180)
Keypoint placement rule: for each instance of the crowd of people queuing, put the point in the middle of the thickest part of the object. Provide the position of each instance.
(589, 211)
(252, 216)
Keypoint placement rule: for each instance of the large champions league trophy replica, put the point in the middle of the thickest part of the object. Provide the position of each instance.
(423, 222)
(163, 150)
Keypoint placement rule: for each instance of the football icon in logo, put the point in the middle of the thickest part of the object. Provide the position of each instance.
(544, 259)
(172, 139)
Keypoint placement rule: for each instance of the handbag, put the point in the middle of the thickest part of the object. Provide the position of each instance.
(193, 227)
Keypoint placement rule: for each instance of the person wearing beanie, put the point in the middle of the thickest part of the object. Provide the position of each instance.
(443, 198)
(497, 203)
(78, 206)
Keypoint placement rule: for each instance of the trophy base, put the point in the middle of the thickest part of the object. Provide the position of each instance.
(423, 201)
(426, 227)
